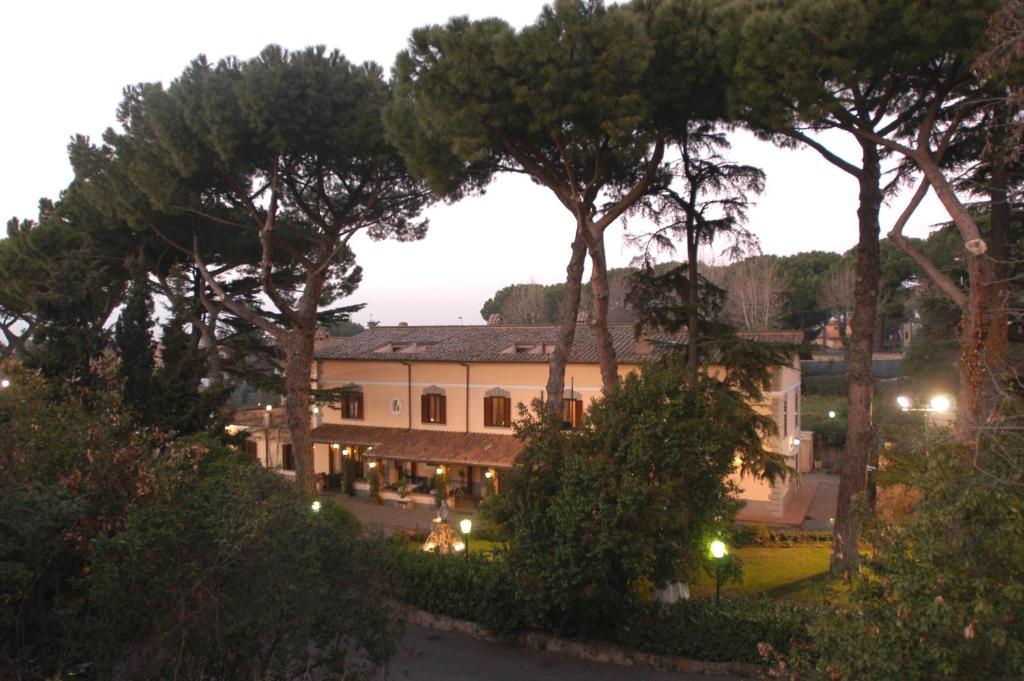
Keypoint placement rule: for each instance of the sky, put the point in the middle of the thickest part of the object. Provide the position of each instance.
(65, 64)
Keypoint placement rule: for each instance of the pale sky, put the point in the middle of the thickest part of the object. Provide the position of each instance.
(65, 64)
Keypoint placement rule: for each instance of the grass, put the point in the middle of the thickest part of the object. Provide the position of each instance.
(787, 573)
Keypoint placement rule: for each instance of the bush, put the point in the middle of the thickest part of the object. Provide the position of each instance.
(235, 577)
(761, 535)
(469, 588)
(731, 632)
(943, 595)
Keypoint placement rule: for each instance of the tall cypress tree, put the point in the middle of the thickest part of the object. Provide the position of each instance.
(183, 405)
(134, 345)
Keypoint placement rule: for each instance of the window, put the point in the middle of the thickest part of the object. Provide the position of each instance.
(251, 448)
(572, 413)
(287, 460)
(352, 405)
(498, 411)
(432, 408)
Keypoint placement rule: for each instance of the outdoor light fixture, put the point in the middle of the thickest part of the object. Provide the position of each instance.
(796, 442)
(316, 409)
(439, 470)
(373, 464)
(315, 506)
(348, 451)
(940, 404)
(466, 525)
(5, 383)
(270, 407)
(718, 551)
(489, 474)
(904, 402)
(335, 446)
(832, 414)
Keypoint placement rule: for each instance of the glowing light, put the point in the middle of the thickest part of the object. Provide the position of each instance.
(316, 409)
(718, 549)
(315, 506)
(489, 474)
(796, 442)
(348, 451)
(270, 407)
(5, 383)
(466, 525)
(439, 470)
(831, 414)
(335, 446)
(904, 402)
(940, 404)
(458, 546)
(373, 464)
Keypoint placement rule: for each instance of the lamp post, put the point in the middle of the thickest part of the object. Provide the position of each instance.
(718, 551)
(466, 525)
(939, 404)
(5, 383)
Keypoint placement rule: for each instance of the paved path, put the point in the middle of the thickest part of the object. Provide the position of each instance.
(429, 655)
(822, 510)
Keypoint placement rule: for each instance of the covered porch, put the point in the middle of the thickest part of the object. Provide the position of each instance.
(411, 463)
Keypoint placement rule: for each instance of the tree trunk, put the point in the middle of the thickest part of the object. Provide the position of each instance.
(298, 347)
(567, 329)
(997, 339)
(692, 300)
(599, 283)
(974, 326)
(860, 439)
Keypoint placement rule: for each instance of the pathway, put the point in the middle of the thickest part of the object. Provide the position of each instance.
(429, 655)
(391, 519)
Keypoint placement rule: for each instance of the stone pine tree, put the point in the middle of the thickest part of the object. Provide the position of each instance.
(134, 345)
(575, 101)
(804, 67)
(284, 152)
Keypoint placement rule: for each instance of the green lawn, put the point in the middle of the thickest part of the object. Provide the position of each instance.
(790, 573)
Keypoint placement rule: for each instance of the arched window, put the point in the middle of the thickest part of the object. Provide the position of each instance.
(432, 405)
(498, 408)
(351, 401)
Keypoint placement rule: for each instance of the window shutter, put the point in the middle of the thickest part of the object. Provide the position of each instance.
(488, 415)
(508, 411)
(442, 417)
(578, 408)
(359, 406)
(424, 408)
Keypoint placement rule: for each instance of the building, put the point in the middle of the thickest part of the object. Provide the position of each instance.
(424, 400)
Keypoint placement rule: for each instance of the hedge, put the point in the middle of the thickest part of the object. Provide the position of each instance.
(483, 591)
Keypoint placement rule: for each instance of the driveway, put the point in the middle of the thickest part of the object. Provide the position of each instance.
(429, 655)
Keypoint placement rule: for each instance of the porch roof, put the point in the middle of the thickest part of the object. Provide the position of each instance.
(426, 446)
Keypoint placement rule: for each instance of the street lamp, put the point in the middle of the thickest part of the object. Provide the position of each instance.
(5, 383)
(718, 551)
(831, 414)
(466, 525)
(315, 506)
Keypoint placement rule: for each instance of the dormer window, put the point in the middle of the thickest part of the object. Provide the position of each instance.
(529, 349)
(404, 347)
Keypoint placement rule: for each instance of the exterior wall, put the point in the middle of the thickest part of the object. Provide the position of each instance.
(382, 382)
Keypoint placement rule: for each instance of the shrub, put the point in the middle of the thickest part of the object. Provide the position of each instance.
(470, 588)
(733, 631)
(943, 595)
(235, 577)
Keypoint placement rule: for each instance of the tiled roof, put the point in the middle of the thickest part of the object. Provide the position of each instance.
(491, 343)
(427, 446)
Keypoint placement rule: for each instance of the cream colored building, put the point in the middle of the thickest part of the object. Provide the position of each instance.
(419, 400)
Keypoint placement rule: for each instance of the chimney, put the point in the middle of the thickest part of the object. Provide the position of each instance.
(494, 319)
(403, 323)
